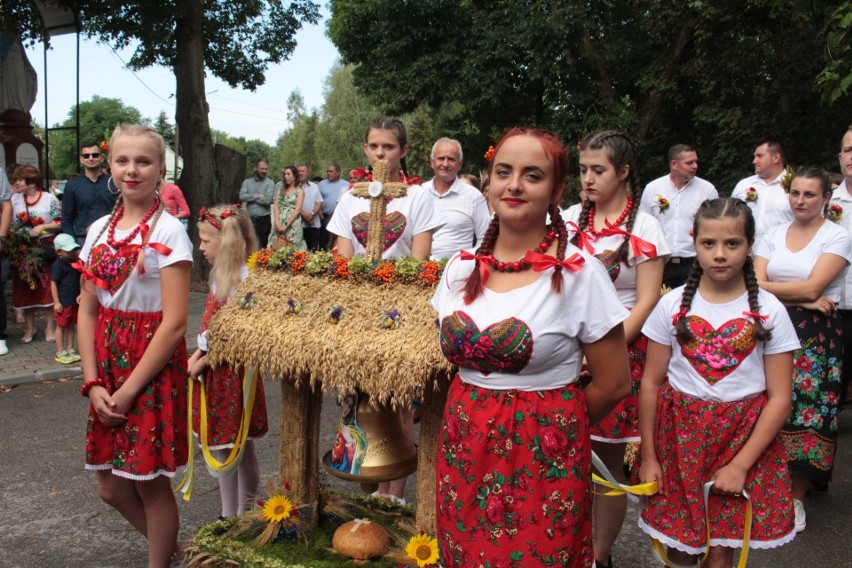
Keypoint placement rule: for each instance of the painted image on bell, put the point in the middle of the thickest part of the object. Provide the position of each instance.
(350, 447)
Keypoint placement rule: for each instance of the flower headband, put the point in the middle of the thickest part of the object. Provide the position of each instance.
(489, 154)
(204, 215)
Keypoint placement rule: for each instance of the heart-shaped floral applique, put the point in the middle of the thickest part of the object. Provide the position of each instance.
(114, 268)
(394, 226)
(715, 353)
(609, 258)
(505, 346)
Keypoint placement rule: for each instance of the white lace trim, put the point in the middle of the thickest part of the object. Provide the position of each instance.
(728, 542)
(124, 474)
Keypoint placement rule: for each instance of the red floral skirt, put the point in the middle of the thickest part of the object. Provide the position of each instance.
(694, 439)
(24, 297)
(513, 478)
(224, 392)
(153, 441)
(622, 424)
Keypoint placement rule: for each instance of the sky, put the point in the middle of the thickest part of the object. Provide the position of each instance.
(261, 114)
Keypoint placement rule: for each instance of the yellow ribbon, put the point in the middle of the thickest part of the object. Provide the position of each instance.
(214, 466)
(646, 489)
(660, 551)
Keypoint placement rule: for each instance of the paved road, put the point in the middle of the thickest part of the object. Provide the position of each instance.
(50, 515)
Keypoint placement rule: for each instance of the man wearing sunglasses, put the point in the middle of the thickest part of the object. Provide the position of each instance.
(87, 197)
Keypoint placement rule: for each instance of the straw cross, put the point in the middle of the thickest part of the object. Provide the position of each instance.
(379, 192)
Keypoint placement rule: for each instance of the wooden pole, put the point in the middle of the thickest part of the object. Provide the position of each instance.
(299, 446)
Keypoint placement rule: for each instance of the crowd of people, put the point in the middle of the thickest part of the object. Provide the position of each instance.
(711, 330)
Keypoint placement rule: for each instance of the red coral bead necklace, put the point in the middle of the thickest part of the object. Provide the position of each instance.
(522, 264)
(135, 231)
(618, 222)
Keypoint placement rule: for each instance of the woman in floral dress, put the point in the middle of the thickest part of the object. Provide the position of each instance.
(37, 212)
(285, 211)
(514, 455)
(803, 263)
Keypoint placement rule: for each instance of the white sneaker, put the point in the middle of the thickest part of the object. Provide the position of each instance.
(799, 509)
(3, 348)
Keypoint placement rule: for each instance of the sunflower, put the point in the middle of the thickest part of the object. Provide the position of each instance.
(277, 509)
(252, 260)
(423, 549)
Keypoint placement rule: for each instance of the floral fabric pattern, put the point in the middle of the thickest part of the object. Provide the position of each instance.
(513, 479)
(622, 424)
(153, 440)
(505, 346)
(716, 353)
(114, 268)
(690, 453)
(810, 434)
(224, 392)
(394, 227)
(295, 234)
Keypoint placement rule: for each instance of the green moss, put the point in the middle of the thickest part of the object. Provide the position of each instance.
(214, 549)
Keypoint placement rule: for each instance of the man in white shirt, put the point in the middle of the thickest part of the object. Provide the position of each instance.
(673, 200)
(463, 208)
(311, 208)
(842, 199)
(330, 189)
(763, 191)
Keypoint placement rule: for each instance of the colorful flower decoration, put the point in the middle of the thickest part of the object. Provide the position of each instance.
(835, 212)
(489, 154)
(294, 307)
(751, 195)
(662, 203)
(104, 146)
(26, 256)
(277, 509)
(335, 314)
(423, 549)
(323, 264)
(247, 302)
(390, 319)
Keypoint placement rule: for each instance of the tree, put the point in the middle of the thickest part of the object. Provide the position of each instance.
(165, 128)
(235, 41)
(297, 144)
(98, 117)
(716, 74)
(835, 79)
(342, 121)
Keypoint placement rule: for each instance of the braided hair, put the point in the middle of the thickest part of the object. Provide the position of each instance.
(555, 149)
(621, 152)
(731, 208)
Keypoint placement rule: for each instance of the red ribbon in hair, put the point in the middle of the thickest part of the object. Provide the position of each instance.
(582, 237)
(757, 316)
(485, 261)
(679, 316)
(541, 262)
(639, 246)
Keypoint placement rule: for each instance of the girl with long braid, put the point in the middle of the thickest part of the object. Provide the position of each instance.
(131, 325)
(514, 455)
(715, 394)
(803, 262)
(632, 247)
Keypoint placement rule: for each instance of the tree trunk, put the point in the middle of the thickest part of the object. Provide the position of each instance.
(198, 178)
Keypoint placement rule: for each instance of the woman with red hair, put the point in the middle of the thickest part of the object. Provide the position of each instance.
(517, 318)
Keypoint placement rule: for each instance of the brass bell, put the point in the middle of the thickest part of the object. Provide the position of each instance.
(371, 445)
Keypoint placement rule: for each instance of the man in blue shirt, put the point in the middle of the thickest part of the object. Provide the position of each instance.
(330, 188)
(87, 197)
